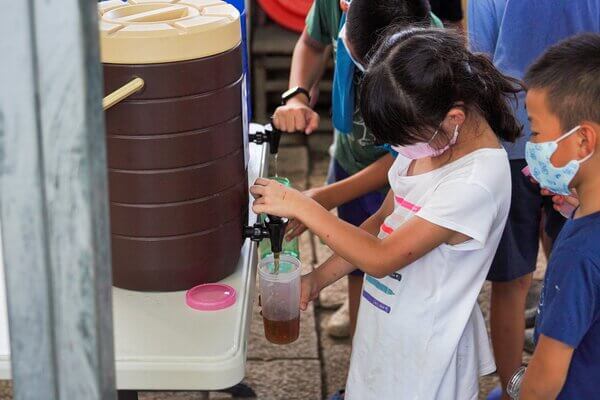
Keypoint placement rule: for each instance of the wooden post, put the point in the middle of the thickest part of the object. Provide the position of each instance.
(53, 201)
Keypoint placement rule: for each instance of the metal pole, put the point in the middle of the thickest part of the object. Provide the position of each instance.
(53, 201)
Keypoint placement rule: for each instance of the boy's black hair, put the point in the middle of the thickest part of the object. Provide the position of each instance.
(367, 20)
(418, 75)
(570, 72)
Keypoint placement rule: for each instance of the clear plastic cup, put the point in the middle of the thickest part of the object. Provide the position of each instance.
(280, 298)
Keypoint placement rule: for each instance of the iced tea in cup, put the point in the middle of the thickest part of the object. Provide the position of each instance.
(280, 298)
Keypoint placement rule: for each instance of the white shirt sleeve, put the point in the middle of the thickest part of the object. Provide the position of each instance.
(463, 207)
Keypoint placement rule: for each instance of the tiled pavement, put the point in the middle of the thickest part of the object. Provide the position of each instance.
(314, 366)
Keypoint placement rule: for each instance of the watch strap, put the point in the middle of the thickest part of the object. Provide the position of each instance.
(293, 92)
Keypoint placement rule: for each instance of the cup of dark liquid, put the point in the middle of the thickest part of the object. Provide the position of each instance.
(280, 298)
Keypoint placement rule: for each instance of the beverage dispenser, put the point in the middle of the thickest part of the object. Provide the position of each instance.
(176, 148)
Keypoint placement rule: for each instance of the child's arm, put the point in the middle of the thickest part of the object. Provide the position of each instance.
(547, 370)
(371, 178)
(376, 257)
(336, 267)
(308, 62)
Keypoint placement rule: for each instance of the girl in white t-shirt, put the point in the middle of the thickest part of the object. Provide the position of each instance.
(426, 253)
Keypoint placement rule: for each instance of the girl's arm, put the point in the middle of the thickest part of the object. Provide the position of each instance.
(371, 178)
(336, 267)
(376, 257)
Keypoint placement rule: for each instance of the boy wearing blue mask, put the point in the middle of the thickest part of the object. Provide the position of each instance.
(352, 29)
(515, 33)
(563, 154)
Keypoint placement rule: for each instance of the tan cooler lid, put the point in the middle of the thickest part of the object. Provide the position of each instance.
(157, 31)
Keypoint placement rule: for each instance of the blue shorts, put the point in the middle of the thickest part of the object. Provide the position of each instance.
(359, 210)
(518, 249)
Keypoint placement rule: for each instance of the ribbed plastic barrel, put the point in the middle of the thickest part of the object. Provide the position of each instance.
(176, 155)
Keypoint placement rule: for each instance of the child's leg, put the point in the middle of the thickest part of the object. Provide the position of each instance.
(512, 269)
(355, 281)
(544, 238)
(511, 273)
(507, 324)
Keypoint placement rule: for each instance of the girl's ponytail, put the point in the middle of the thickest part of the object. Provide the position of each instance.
(418, 75)
(494, 97)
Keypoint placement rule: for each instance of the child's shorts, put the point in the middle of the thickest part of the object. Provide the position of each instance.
(359, 210)
(518, 249)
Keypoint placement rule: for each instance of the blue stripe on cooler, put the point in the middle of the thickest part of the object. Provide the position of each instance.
(375, 302)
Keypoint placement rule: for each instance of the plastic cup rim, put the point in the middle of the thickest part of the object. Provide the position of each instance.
(281, 276)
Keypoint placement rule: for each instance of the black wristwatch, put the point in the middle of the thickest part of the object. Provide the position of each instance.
(293, 92)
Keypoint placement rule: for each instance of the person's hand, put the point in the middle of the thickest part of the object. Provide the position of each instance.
(344, 5)
(320, 195)
(309, 290)
(565, 205)
(271, 197)
(295, 116)
(294, 229)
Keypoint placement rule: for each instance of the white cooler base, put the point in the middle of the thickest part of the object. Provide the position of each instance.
(161, 343)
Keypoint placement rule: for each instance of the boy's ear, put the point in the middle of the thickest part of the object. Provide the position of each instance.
(589, 134)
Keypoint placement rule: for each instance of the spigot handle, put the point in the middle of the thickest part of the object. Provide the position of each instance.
(276, 227)
(274, 138)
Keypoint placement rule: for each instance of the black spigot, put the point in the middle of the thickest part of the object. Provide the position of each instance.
(268, 134)
(273, 228)
(276, 227)
(256, 232)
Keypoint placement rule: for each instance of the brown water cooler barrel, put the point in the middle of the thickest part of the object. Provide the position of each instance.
(177, 173)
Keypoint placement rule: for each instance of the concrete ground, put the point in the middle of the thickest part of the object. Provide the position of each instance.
(315, 366)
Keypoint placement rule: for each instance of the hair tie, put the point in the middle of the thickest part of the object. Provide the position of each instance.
(468, 67)
(394, 38)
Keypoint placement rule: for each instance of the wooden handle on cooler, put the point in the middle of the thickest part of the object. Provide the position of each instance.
(133, 86)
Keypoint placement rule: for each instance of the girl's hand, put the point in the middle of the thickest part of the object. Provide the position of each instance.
(294, 229)
(309, 290)
(271, 197)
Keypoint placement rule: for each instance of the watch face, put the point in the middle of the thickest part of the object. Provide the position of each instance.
(289, 92)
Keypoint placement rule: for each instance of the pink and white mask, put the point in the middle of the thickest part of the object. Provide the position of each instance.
(424, 150)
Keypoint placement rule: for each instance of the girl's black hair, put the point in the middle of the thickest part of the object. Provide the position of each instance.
(418, 75)
(367, 20)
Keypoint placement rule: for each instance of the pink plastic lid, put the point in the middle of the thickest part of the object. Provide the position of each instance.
(210, 297)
